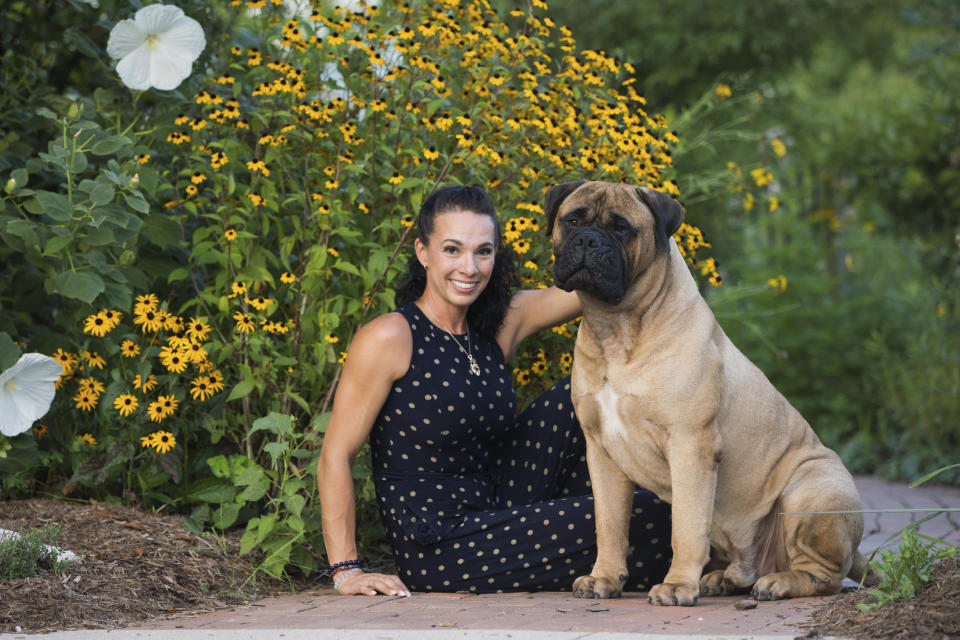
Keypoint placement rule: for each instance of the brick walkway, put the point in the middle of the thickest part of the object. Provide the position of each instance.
(321, 609)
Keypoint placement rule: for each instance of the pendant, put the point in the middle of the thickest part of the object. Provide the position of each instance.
(474, 367)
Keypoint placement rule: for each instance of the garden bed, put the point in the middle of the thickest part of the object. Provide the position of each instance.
(136, 566)
(933, 613)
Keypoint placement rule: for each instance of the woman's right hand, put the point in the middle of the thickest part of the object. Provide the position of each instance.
(370, 584)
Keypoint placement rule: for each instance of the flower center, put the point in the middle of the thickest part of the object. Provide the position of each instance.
(10, 385)
(152, 41)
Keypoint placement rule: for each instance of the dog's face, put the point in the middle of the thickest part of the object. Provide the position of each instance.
(605, 235)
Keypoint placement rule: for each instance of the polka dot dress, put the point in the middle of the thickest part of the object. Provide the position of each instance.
(474, 498)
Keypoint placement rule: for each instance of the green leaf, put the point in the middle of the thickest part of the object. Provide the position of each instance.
(274, 422)
(178, 274)
(80, 285)
(275, 449)
(23, 229)
(295, 503)
(255, 491)
(55, 244)
(20, 176)
(163, 231)
(319, 423)
(243, 388)
(137, 203)
(109, 145)
(226, 515)
(214, 490)
(55, 205)
(346, 266)
(102, 194)
(9, 352)
(249, 539)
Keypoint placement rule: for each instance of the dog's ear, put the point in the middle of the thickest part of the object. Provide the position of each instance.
(666, 211)
(555, 197)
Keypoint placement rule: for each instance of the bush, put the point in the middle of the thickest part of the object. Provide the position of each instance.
(286, 187)
(21, 555)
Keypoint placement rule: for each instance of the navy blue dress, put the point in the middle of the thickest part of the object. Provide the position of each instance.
(476, 498)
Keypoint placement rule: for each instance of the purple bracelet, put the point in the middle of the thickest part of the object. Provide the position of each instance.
(346, 564)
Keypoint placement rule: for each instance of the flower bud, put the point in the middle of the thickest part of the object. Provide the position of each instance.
(135, 180)
(11, 186)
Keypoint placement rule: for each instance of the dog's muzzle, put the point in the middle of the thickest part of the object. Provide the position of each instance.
(592, 261)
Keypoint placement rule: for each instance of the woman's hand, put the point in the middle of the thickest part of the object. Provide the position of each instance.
(370, 584)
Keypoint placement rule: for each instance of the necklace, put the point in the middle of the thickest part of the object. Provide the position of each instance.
(474, 367)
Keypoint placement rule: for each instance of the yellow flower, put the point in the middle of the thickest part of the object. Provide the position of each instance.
(522, 376)
(230, 235)
(149, 321)
(539, 367)
(191, 190)
(778, 147)
(286, 277)
(723, 91)
(91, 386)
(198, 330)
(112, 317)
(396, 178)
(260, 303)
(774, 203)
(147, 301)
(201, 388)
(256, 199)
(125, 404)
(143, 158)
(40, 429)
(521, 246)
(407, 221)
(168, 404)
(163, 441)
(761, 176)
(145, 385)
(146, 441)
(778, 284)
(431, 153)
(88, 438)
(332, 339)
(94, 359)
(97, 325)
(85, 401)
(238, 288)
(174, 360)
(218, 159)
(155, 411)
(216, 380)
(333, 252)
(244, 322)
(258, 165)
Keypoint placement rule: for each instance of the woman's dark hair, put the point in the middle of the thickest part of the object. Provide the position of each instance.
(486, 314)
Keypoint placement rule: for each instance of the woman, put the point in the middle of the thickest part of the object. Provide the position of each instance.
(472, 497)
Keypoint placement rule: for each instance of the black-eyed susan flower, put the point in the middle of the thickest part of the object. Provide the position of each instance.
(521, 246)
(143, 158)
(260, 303)
(174, 360)
(198, 329)
(92, 386)
(287, 278)
(230, 235)
(215, 378)
(155, 412)
(96, 325)
(396, 178)
(144, 385)
(40, 430)
(522, 376)
(245, 323)
(168, 404)
(237, 289)
(85, 401)
(539, 367)
(149, 320)
(218, 159)
(88, 439)
(146, 441)
(196, 353)
(332, 339)
(200, 388)
(112, 317)
(93, 360)
(125, 404)
(256, 199)
(146, 302)
(163, 441)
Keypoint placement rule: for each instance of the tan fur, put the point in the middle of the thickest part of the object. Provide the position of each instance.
(667, 402)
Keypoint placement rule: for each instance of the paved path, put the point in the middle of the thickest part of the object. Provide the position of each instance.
(322, 614)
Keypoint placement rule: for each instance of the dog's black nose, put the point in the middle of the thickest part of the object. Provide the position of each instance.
(586, 241)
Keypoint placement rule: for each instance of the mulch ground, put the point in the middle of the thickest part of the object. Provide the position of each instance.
(136, 566)
(933, 613)
(139, 565)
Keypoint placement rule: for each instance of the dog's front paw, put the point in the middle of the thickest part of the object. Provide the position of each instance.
(590, 587)
(669, 594)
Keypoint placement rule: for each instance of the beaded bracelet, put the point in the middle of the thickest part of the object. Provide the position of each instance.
(336, 583)
(346, 564)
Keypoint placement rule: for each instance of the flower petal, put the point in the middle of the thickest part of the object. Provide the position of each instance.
(125, 37)
(26, 391)
(157, 18)
(134, 69)
(168, 67)
(186, 36)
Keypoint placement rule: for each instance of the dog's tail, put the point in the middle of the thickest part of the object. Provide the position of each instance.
(863, 572)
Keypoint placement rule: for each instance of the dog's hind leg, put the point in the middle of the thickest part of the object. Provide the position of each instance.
(821, 547)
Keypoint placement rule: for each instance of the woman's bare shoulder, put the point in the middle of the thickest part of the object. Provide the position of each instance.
(384, 344)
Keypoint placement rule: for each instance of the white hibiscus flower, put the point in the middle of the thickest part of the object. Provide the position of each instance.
(26, 391)
(157, 48)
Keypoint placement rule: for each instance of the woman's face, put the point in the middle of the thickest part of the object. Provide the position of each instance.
(459, 257)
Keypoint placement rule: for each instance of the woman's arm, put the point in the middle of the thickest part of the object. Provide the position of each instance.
(534, 310)
(379, 355)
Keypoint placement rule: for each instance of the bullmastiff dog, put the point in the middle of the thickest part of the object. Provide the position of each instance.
(667, 402)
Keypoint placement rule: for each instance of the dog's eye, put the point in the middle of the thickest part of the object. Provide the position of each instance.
(621, 227)
(572, 222)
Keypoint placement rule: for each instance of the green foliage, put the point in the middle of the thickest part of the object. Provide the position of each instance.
(904, 573)
(22, 554)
